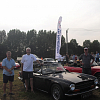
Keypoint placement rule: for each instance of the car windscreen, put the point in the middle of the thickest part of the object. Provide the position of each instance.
(52, 68)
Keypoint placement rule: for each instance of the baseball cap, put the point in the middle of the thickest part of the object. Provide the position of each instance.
(85, 48)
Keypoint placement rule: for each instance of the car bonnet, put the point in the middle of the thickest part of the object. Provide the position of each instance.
(73, 77)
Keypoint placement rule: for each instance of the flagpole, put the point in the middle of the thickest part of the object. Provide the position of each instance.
(67, 40)
(58, 38)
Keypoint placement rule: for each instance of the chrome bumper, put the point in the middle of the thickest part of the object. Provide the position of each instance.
(82, 92)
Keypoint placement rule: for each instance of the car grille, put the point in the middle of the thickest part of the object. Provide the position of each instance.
(84, 85)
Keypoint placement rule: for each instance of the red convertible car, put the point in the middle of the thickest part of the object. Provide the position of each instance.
(78, 69)
(0, 65)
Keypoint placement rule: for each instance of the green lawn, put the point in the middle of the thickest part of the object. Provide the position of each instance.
(19, 89)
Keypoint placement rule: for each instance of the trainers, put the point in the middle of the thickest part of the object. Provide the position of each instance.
(32, 92)
(4, 95)
(26, 91)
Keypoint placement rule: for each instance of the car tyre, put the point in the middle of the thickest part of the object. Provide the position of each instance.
(57, 92)
(98, 77)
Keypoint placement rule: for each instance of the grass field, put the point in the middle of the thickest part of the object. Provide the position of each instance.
(18, 89)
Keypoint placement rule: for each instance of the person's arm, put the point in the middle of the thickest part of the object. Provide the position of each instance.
(22, 62)
(13, 65)
(21, 68)
(92, 60)
(4, 67)
(9, 70)
(38, 62)
(12, 68)
(80, 58)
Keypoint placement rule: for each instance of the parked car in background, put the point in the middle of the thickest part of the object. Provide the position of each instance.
(17, 66)
(52, 78)
(77, 63)
(35, 63)
(76, 67)
(48, 60)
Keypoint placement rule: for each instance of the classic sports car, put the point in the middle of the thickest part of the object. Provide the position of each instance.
(77, 68)
(52, 78)
(72, 63)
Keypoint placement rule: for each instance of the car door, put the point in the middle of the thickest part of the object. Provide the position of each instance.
(73, 69)
(76, 69)
(39, 81)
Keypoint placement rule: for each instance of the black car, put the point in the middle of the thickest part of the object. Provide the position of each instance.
(52, 78)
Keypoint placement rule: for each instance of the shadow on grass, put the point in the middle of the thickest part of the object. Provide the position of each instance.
(8, 98)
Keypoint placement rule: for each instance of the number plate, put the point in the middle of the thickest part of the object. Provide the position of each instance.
(85, 95)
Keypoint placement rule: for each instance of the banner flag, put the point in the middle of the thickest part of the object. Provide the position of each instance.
(58, 38)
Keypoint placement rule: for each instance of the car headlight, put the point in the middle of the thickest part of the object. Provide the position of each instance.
(72, 87)
(96, 81)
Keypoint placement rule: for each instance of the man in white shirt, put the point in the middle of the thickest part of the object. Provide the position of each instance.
(27, 67)
(59, 59)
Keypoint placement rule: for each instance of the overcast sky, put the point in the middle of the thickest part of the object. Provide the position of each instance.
(82, 17)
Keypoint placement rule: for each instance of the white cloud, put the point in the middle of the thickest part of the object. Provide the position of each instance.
(44, 14)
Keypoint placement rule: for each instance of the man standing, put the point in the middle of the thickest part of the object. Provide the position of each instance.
(86, 58)
(59, 59)
(67, 58)
(71, 57)
(97, 56)
(27, 68)
(8, 72)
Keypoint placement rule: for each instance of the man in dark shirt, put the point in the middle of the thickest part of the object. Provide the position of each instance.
(86, 61)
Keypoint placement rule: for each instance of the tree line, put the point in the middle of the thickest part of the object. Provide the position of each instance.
(42, 43)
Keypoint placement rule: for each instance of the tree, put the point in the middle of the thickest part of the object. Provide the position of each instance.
(46, 43)
(87, 43)
(32, 40)
(63, 46)
(16, 42)
(42, 44)
(2, 36)
(95, 46)
(3, 50)
(74, 42)
(72, 46)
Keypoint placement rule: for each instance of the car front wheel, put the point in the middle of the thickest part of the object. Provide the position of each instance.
(56, 92)
(98, 76)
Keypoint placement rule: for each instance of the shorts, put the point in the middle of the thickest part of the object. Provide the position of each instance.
(86, 71)
(27, 75)
(7, 78)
